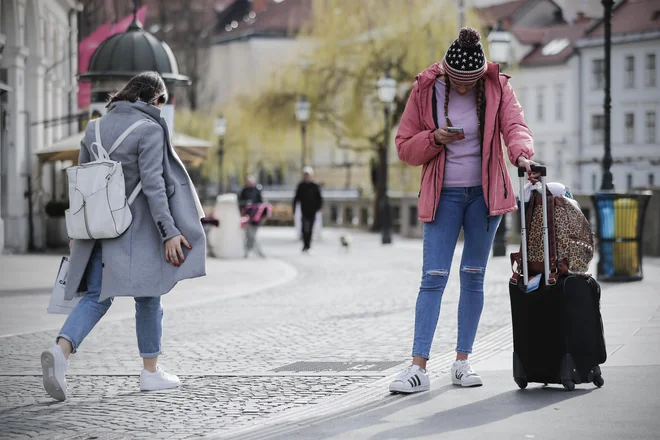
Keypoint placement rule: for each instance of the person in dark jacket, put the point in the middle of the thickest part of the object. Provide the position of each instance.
(308, 194)
(250, 194)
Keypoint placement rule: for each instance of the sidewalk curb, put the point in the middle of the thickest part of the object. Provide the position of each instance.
(375, 393)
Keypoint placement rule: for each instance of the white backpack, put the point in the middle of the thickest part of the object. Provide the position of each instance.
(98, 208)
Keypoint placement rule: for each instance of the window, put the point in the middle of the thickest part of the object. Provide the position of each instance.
(523, 98)
(558, 161)
(593, 181)
(539, 151)
(629, 181)
(629, 77)
(559, 102)
(630, 128)
(597, 74)
(597, 129)
(539, 104)
(650, 70)
(651, 179)
(412, 216)
(650, 127)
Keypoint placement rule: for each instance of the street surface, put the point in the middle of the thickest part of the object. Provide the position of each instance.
(263, 347)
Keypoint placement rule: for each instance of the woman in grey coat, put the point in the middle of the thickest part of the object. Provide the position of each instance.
(164, 244)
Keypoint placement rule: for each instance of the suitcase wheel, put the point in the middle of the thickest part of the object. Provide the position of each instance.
(599, 381)
(569, 385)
(522, 383)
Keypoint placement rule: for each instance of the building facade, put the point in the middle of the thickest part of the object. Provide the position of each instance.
(38, 64)
(547, 85)
(559, 81)
(635, 92)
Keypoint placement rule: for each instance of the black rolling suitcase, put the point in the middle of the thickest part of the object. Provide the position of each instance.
(557, 329)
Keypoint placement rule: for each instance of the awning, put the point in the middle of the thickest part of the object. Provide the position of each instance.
(189, 149)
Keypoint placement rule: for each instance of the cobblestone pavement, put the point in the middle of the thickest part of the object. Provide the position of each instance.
(342, 306)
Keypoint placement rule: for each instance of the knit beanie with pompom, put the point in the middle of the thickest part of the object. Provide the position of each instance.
(465, 60)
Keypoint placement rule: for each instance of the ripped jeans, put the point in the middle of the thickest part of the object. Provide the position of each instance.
(458, 208)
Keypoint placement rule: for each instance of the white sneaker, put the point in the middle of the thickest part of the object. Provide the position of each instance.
(54, 365)
(411, 380)
(463, 374)
(160, 380)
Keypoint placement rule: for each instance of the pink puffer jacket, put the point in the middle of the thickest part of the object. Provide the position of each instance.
(416, 146)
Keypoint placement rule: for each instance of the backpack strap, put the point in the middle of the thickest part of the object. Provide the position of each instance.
(123, 136)
(135, 193)
(116, 145)
(97, 131)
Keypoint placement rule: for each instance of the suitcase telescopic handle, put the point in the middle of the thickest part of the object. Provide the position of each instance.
(535, 169)
(544, 200)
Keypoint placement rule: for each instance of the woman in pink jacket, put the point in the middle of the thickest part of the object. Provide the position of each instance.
(465, 185)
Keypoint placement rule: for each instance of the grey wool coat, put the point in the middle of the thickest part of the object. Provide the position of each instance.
(134, 263)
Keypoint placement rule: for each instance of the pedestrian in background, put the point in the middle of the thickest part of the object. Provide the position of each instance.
(251, 193)
(451, 126)
(308, 194)
(164, 244)
(252, 207)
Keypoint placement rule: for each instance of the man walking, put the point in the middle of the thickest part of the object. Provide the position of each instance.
(308, 194)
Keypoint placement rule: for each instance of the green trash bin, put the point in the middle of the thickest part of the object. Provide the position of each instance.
(619, 232)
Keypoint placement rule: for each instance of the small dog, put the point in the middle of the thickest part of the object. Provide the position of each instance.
(345, 241)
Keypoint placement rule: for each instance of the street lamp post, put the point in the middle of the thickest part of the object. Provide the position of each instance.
(303, 112)
(499, 45)
(608, 180)
(221, 131)
(386, 94)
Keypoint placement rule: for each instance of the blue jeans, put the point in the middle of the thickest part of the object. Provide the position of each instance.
(89, 311)
(458, 208)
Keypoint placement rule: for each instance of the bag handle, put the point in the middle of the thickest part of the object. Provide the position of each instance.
(100, 153)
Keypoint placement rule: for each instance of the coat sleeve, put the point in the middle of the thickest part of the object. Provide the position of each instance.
(415, 145)
(296, 198)
(320, 198)
(242, 198)
(517, 136)
(151, 152)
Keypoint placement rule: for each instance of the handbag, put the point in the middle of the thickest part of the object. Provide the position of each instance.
(59, 305)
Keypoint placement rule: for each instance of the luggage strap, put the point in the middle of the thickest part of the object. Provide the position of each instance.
(516, 259)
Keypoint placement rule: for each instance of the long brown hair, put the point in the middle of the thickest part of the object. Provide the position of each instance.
(147, 87)
(481, 89)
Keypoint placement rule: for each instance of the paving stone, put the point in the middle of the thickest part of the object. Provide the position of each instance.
(342, 307)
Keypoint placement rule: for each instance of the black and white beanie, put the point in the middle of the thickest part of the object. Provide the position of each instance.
(465, 60)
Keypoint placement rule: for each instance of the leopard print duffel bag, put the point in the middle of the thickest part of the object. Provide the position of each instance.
(570, 237)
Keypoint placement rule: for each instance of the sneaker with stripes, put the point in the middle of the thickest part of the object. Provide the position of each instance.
(411, 380)
(463, 374)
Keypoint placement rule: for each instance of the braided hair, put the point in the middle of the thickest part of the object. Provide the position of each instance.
(481, 89)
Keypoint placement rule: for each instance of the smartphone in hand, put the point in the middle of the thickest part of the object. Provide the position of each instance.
(457, 130)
